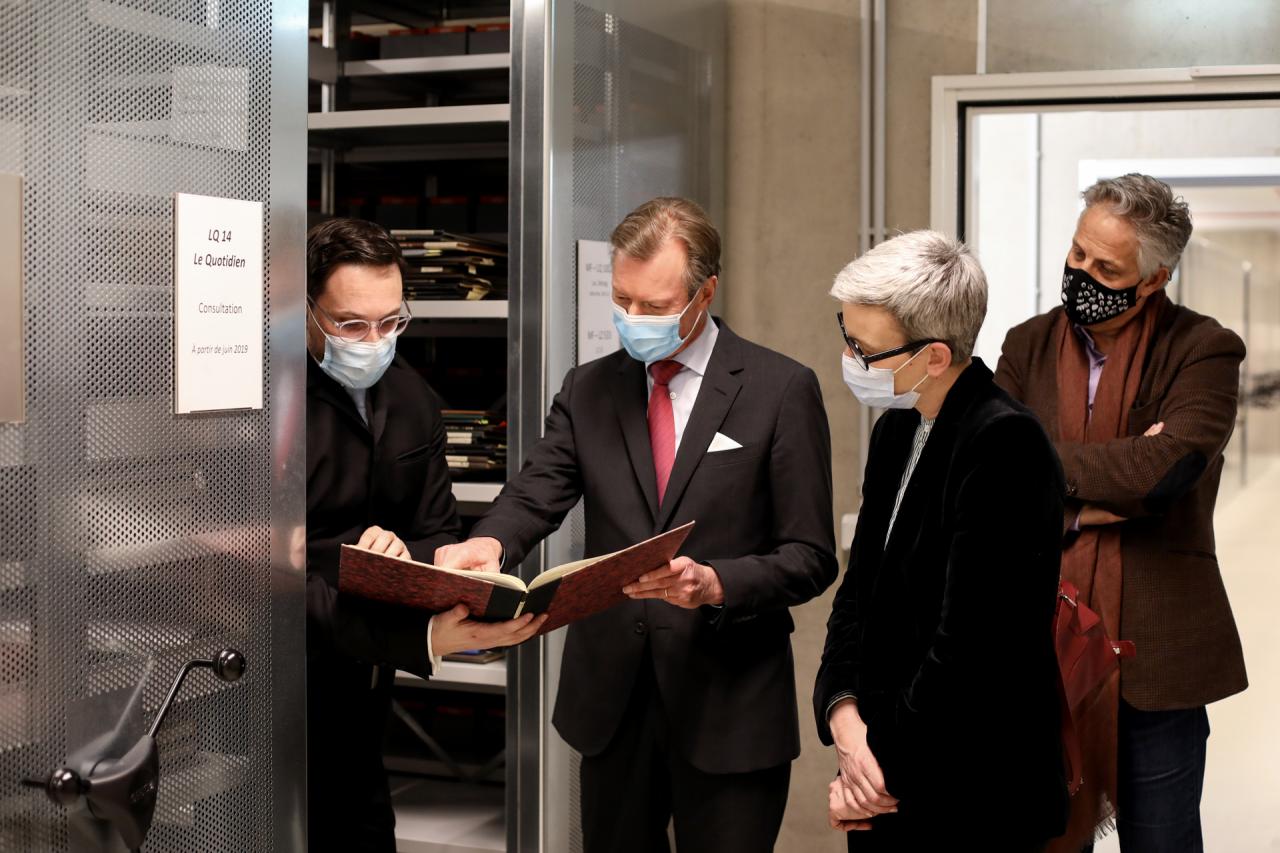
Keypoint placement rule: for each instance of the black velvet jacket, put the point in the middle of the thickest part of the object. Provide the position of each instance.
(944, 635)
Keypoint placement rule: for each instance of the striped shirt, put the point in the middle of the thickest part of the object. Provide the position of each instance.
(917, 447)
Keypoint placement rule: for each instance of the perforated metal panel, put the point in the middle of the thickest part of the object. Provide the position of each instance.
(642, 113)
(632, 111)
(642, 110)
(132, 540)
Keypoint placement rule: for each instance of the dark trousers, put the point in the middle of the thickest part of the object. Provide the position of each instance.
(1161, 777)
(632, 790)
(348, 798)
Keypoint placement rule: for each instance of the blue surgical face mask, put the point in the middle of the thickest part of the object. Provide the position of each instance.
(356, 364)
(873, 386)
(651, 339)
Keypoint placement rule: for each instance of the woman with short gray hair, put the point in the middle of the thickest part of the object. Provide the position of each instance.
(938, 682)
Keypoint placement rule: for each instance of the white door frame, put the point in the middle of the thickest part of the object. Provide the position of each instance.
(1169, 88)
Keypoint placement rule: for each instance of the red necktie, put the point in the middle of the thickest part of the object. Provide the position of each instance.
(662, 422)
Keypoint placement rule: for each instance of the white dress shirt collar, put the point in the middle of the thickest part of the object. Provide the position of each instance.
(687, 382)
(697, 355)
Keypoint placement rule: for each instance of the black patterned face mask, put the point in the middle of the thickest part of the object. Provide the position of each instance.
(1090, 302)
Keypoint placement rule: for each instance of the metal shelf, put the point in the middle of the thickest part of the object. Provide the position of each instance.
(235, 542)
(418, 152)
(404, 13)
(409, 117)
(492, 309)
(198, 777)
(449, 817)
(428, 65)
(476, 493)
(446, 130)
(465, 677)
(486, 773)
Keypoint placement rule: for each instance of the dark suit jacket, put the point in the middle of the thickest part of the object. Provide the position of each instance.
(1174, 606)
(391, 473)
(763, 515)
(945, 635)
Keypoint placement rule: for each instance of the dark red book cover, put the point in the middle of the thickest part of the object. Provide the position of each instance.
(381, 578)
(599, 587)
(566, 597)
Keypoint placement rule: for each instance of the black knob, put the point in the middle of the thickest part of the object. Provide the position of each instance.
(229, 665)
(65, 786)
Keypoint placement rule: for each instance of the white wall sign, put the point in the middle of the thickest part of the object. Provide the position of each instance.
(596, 335)
(217, 304)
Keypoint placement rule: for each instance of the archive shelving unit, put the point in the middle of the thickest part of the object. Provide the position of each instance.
(377, 127)
(597, 106)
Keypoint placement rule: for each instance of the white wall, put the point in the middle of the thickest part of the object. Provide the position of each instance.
(1023, 219)
(1004, 233)
(1068, 138)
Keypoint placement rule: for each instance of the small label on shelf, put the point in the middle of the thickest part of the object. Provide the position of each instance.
(217, 304)
(596, 335)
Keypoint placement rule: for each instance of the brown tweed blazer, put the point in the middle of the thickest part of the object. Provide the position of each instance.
(1174, 605)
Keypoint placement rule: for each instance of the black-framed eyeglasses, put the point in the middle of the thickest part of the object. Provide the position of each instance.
(864, 360)
(358, 330)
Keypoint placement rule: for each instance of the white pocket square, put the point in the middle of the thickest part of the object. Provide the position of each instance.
(722, 442)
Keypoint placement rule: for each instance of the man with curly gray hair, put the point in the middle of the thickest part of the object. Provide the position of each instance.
(1139, 395)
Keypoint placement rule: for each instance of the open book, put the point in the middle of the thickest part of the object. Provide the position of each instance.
(566, 593)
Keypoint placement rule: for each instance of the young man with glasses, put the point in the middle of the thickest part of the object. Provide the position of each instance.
(376, 476)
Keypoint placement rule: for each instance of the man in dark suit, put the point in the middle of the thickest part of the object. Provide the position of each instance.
(681, 701)
(938, 684)
(1139, 395)
(375, 464)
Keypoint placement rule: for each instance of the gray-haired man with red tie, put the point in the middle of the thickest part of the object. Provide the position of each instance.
(682, 702)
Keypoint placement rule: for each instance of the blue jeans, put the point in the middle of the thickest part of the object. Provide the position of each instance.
(1161, 776)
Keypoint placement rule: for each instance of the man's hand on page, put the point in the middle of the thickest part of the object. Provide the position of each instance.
(483, 554)
(382, 541)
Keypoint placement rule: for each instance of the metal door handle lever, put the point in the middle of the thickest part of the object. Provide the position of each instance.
(122, 791)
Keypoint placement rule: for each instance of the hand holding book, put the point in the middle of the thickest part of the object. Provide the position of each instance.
(681, 583)
(454, 631)
(565, 594)
(381, 541)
